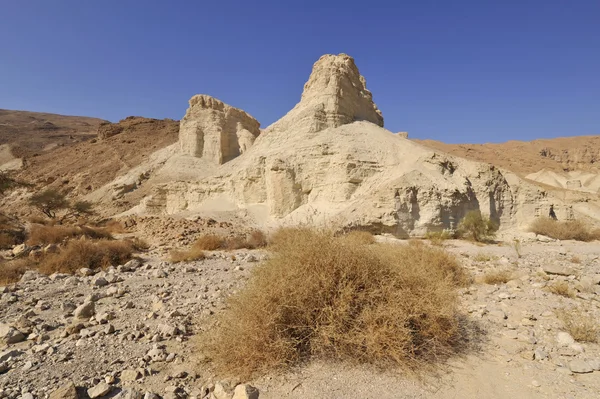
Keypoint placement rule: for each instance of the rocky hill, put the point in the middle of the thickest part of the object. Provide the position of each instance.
(566, 162)
(24, 134)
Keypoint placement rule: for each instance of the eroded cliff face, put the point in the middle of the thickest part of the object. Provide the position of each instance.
(330, 161)
(216, 131)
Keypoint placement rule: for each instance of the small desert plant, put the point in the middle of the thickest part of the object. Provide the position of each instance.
(561, 288)
(86, 253)
(484, 257)
(56, 234)
(139, 244)
(208, 242)
(494, 277)
(11, 271)
(329, 297)
(7, 182)
(7, 240)
(49, 202)
(256, 239)
(477, 227)
(190, 255)
(582, 326)
(516, 245)
(438, 237)
(114, 227)
(565, 230)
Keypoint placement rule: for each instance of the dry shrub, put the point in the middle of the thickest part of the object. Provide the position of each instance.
(235, 242)
(561, 288)
(582, 326)
(11, 271)
(494, 277)
(208, 242)
(575, 259)
(566, 230)
(7, 240)
(86, 253)
(190, 255)
(437, 238)
(40, 220)
(114, 227)
(139, 244)
(253, 240)
(256, 239)
(56, 234)
(286, 236)
(360, 237)
(322, 296)
(484, 257)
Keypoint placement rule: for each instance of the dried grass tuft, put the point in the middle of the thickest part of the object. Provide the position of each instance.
(494, 277)
(565, 230)
(86, 253)
(582, 326)
(561, 288)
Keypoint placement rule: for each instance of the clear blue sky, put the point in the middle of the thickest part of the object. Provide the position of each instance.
(457, 71)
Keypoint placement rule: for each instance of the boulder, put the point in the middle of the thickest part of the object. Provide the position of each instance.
(99, 390)
(10, 335)
(85, 311)
(245, 391)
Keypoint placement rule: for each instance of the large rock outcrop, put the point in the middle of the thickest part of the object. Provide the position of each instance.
(216, 131)
(329, 160)
(336, 94)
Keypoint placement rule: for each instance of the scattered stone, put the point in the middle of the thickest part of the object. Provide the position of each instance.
(10, 335)
(85, 311)
(100, 282)
(99, 390)
(557, 269)
(564, 339)
(129, 394)
(245, 391)
(9, 353)
(580, 366)
(130, 375)
(66, 391)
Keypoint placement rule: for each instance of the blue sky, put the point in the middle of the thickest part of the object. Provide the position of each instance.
(456, 71)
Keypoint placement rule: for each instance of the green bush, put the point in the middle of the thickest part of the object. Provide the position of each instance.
(477, 227)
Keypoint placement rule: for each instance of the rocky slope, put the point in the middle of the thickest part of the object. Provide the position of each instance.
(24, 134)
(117, 149)
(569, 163)
(131, 330)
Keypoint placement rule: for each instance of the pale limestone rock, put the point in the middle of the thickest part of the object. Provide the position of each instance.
(335, 95)
(99, 390)
(66, 391)
(245, 391)
(10, 335)
(330, 160)
(216, 131)
(580, 366)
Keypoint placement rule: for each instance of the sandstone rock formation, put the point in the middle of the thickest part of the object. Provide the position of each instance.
(216, 131)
